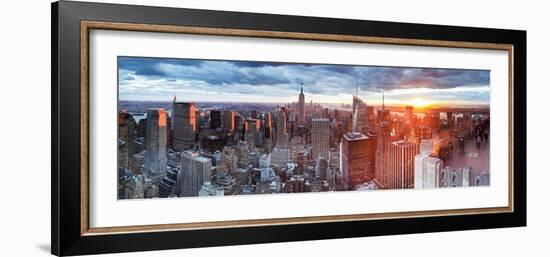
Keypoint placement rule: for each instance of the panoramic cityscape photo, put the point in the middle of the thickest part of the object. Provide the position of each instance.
(190, 128)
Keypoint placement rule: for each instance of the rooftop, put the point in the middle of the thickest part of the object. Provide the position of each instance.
(202, 159)
(403, 142)
(350, 136)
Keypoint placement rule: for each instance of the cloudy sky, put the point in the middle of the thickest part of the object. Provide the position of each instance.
(159, 79)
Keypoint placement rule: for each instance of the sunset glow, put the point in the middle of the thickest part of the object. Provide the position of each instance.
(420, 102)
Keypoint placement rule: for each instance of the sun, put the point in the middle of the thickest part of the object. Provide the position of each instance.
(420, 102)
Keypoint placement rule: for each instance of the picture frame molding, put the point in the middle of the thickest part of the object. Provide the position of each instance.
(87, 26)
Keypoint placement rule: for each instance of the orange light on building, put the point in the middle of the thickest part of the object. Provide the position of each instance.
(121, 118)
(162, 118)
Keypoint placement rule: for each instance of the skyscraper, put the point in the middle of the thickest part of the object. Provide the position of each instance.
(281, 130)
(320, 135)
(185, 125)
(450, 120)
(355, 113)
(383, 115)
(280, 157)
(252, 127)
(322, 169)
(195, 170)
(401, 165)
(383, 139)
(155, 143)
(229, 121)
(122, 157)
(427, 171)
(215, 119)
(358, 151)
(301, 107)
(360, 116)
(265, 170)
(228, 160)
(267, 125)
(199, 119)
(461, 177)
(483, 179)
(126, 126)
(238, 122)
(408, 113)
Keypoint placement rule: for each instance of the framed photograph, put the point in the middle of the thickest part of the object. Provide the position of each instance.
(178, 128)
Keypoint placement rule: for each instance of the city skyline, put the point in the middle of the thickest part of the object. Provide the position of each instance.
(210, 143)
(158, 79)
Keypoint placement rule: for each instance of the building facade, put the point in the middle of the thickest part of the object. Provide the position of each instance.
(301, 107)
(322, 170)
(401, 165)
(427, 171)
(320, 136)
(155, 143)
(185, 123)
(383, 141)
(280, 157)
(360, 116)
(215, 119)
(358, 162)
(265, 170)
(252, 129)
(229, 121)
(282, 138)
(208, 189)
(194, 171)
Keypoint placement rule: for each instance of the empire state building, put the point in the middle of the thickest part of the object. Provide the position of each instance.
(301, 107)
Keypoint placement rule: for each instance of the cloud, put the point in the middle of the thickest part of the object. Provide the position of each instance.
(161, 76)
(149, 66)
(388, 78)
